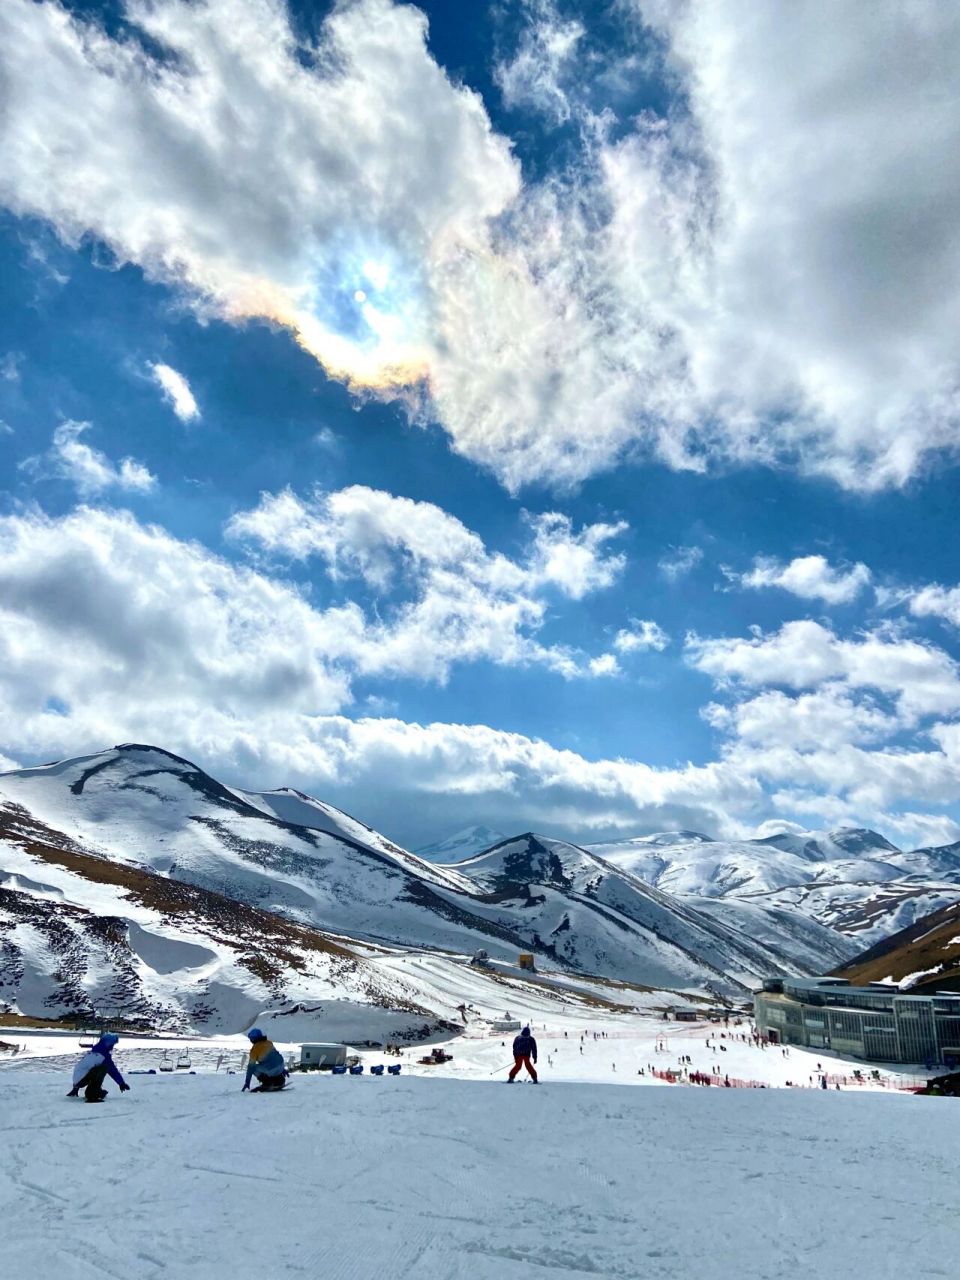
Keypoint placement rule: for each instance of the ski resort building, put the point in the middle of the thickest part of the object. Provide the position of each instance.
(876, 1022)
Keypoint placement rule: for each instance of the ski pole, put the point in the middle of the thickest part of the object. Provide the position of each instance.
(497, 1070)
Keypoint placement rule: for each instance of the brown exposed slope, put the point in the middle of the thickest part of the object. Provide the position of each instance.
(930, 947)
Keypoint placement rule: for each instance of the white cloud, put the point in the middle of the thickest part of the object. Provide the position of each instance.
(575, 564)
(88, 469)
(6, 429)
(176, 391)
(544, 59)
(464, 602)
(140, 637)
(778, 827)
(927, 830)
(844, 740)
(359, 170)
(830, 717)
(920, 678)
(810, 577)
(698, 287)
(605, 665)
(114, 631)
(937, 602)
(642, 634)
(679, 561)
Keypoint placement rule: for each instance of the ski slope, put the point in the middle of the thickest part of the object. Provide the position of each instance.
(185, 1178)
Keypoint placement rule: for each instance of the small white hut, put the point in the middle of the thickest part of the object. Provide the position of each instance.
(314, 1057)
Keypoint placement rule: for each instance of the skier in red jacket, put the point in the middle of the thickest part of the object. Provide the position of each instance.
(524, 1049)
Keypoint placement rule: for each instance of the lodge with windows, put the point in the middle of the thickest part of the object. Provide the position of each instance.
(878, 1023)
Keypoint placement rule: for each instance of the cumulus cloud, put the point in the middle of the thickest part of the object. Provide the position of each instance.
(372, 533)
(810, 577)
(838, 730)
(937, 602)
(925, 829)
(111, 630)
(462, 602)
(97, 610)
(770, 272)
(642, 634)
(920, 678)
(318, 187)
(830, 717)
(88, 469)
(176, 391)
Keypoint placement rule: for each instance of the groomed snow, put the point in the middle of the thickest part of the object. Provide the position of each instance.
(360, 1178)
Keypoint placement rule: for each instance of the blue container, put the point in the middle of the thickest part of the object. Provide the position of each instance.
(377, 1071)
(339, 1070)
(394, 1069)
(357, 1070)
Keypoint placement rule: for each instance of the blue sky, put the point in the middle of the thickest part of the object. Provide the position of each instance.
(545, 418)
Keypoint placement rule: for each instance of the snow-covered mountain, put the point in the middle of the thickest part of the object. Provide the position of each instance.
(852, 880)
(295, 857)
(462, 844)
(583, 910)
(925, 957)
(83, 935)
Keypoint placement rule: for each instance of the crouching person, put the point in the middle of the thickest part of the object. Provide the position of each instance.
(265, 1062)
(93, 1068)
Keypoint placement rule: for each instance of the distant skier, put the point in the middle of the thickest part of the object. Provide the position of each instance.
(524, 1050)
(265, 1062)
(92, 1069)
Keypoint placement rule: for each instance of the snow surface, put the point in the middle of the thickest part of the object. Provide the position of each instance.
(358, 1178)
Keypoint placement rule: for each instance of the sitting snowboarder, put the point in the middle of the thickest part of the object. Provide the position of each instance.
(92, 1069)
(266, 1063)
(524, 1049)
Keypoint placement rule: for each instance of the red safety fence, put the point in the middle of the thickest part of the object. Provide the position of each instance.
(902, 1084)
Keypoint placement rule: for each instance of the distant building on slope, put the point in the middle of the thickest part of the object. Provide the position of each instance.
(877, 1023)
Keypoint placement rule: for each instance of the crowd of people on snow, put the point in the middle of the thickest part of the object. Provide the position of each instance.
(265, 1064)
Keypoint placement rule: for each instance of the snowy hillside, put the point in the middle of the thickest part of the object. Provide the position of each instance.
(850, 880)
(582, 910)
(462, 844)
(289, 854)
(81, 936)
(84, 937)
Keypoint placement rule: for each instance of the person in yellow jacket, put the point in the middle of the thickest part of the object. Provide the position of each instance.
(265, 1062)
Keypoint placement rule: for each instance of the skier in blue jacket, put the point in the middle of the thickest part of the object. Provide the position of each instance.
(266, 1063)
(95, 1065)
(524, 1049)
